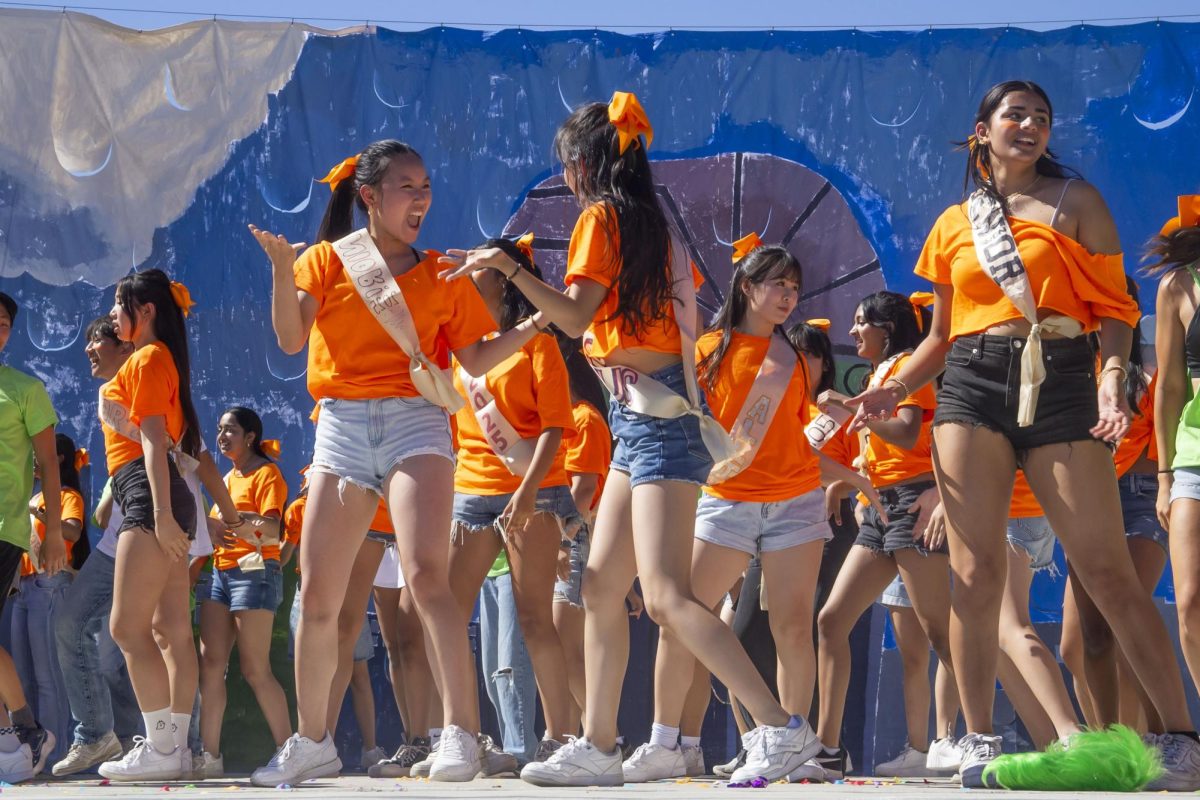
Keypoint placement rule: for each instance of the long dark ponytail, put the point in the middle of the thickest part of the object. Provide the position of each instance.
(1175, 250)
(589, 148)
(809, 339)
(1136, 385)
(250, 422)
(372, 164)
(583, 380)
(906, 323)
(154, 287)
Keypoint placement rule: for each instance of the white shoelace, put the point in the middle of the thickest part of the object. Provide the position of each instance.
(567, 750)
(981, 749)
(453, 745)
(283, 753)
(1174, 748)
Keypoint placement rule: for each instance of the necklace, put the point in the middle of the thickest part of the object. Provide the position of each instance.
(1024, 192)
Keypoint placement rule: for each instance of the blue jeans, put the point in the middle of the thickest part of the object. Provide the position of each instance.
(36, 609)
(98, 690)
(508, 672)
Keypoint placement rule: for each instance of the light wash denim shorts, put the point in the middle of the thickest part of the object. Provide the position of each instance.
(1186, 485)
(1034, 537)
(477, 512)
(896, 595)
(756, 528)
(571, 590)
(656, 449)
(361, 441)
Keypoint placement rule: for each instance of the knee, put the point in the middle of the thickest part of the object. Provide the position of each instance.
(537, 624)
(1187, 601)
(318, 607)
(1098, 640)
(832, 625)
(663, 604)
(126, 632)
(256, 672)
(601, 594)
(980, 581)
(792, 628)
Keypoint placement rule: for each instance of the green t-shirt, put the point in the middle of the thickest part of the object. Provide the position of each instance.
(500, 566)
(25, 409)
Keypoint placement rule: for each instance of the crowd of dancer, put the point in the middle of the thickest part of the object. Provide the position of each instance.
(569, 440)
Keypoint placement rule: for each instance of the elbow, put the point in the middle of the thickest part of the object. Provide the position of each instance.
(288, 345)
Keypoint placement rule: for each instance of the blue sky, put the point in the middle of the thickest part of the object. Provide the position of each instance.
(643, 15)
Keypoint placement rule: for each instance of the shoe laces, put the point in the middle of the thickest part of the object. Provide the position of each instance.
(547, 748)
(454, 744)
(282, 754)
(977, 746)
(573, 745)
(140, 743)
(1174, 749)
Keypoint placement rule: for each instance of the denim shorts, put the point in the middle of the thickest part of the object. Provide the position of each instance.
(364, 645)
(655, 449)
(756, 528)
(1034, 537)
(131, 491)
(477, 512)
(1186, 485)
(981, 387)
(896, 594)
(1139, 496)
(256, 590)
(898, 533)
(361, 441)
(571, 590)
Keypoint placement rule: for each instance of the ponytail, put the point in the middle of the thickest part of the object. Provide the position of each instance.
(368, 170)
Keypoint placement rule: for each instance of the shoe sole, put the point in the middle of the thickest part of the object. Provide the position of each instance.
(454, 775)
(391, 771)
(329, 769)
(143, 778)
(112, 755)
(797, 760)
(972, 778)
(598, 780)
(655, 778)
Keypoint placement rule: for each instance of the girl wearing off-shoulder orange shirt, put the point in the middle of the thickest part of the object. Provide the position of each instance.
(620, 293)
(1070, 250)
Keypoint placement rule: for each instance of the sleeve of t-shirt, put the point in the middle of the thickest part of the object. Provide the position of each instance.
(924, 398)
(551, 386)
(470, 319)
(933, 263)
(590, 254)
(589, 446)
(310, 270)
(72, 505)
(293, 518)
(151, 387)
(39, 411)
(271, 492)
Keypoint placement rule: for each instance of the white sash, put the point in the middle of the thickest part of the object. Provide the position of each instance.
(755, 417)
(645, 395)
(501, 436)
(996, 249)
(116, 416)
(374, 283)
(824, 426)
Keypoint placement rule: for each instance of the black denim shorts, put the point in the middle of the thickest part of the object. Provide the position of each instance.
(131, 491)
(981, 387)
(897, 534)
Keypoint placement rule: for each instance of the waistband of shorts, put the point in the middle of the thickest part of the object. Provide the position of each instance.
(1004, 345)
(894, 490)
(1137, 481)
(139, 465)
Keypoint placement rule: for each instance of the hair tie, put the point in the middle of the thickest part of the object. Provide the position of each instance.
(1188, 217)
(743, 246)
(182, 297)
(271, 447)
(82, 459)
(972, 143)
(920, 300)
(820, 324)
(340, 171)
(629, 118)
(525, 245)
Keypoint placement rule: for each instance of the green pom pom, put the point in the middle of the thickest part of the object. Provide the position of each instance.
(1113, 760)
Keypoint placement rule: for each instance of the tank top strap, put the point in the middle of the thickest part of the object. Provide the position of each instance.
(1194, 272)
(1061, 197)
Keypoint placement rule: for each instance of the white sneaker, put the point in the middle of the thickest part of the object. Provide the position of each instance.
(546, 748)
(944, 757)
(207, 767)
(773, 753)
(144, 763)
(82, 757)
(16, 765)
(653, 762)
(372, 757)
(909, 764)
(299, 759)
(693, 760)
(576, 763)
(727, 769)
(496, 762)
(978, 750)
(421, 768)
(1181, 764)
(457, 758)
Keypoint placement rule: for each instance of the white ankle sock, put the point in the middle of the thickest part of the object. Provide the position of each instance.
(179, 728)
(664, 736)
(689, 741)
(158, 730)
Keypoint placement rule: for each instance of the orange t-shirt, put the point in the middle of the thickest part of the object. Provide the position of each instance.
(1140, 437)
(263, 491)
(888, 464)
(1024, 505)
(72, 508)
(382, 523)
(784, 466)
(588, 447)
(351, 356)
(842, 448)
(591, 255)
(148, 385)
(293, 522)
(532, 391)
(1065, 276)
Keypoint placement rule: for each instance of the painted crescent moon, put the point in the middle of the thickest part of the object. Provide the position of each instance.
(169, 89)
(378, 96)
(1169, 121)
(73, 166)
(904, 121)
(296, 209)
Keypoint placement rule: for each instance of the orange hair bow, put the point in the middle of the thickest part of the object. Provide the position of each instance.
(1188, 217)
(820, 324)
(972, 142)
(271, 447)
(182, 297)
(82, 459)
(920, 300)
(629, 118)
(743, 246)
(525, 245)
(340, 171)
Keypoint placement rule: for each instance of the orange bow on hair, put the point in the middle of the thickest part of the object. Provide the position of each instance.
(743, 246)
(525, 245)
(340, 171)
(920, 300)
(182, 297)
(82, 459)
(820, 324)
(972, 142)
(629, 118)
(271, 447)
(1189, 215)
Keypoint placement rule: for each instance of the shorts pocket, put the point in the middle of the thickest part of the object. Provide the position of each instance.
(1070, 365)
(962, 356)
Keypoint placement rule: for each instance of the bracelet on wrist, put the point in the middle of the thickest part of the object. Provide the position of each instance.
(1166, 472)
(1116, 368)
(903, 386)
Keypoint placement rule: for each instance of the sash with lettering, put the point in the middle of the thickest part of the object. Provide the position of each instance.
(374, 283)
(643, 394)
(116, 417)
(501, 436)
(996, 249)
(755, 417)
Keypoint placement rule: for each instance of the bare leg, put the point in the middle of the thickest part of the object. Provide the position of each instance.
(791, 579)
(217, 635)
(387, 611)
(363, 700)
(142, 574)
(254, 656)
(1185, 562)
(351, 618)
(1070, 647)
(914, 658)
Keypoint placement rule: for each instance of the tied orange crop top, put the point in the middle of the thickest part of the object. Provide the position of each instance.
(1066, 277)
